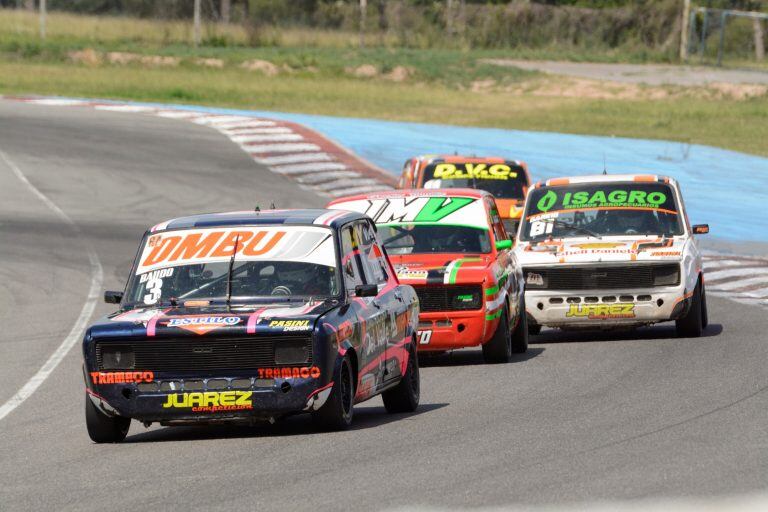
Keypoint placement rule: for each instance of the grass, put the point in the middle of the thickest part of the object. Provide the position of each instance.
(314, 79)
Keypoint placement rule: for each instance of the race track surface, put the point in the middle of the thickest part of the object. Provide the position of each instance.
(580, 418)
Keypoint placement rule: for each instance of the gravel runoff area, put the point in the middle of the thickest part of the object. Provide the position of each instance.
(650, 74)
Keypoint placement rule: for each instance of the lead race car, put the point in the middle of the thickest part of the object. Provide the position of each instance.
(249, 316)
(611, 251)
(451, 246)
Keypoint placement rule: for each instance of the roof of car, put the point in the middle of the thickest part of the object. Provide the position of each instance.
(471, 159)
(604, 178)
(332, 218)
(417, 192)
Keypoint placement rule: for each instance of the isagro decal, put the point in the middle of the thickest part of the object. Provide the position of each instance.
(290, 325)
(601, 311)
(210, 401)
(653, 196)
(304, 372)
(193, 246)
(478, 171)
(203, 324)
(122, 377)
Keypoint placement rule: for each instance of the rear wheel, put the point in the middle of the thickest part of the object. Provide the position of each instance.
(704, 313)
(499, 348)
(533, 329)
(692, 324)
(520, 334)
(336, 412)
(405, 396)
(103, 428)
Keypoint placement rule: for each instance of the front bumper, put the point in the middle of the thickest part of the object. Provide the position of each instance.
(606, 308)
(440, 331)
(169, 399)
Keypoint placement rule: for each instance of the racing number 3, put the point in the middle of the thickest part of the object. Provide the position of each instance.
(155, 289)
(424, 337)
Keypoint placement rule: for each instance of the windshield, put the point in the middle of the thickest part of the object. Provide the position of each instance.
(423, 239)
(596, 210)
(504, 180)
(275, 262)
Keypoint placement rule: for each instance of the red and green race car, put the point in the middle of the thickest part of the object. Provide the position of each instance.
(451, 246)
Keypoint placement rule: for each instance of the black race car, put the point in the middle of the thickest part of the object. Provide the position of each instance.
(245, 317)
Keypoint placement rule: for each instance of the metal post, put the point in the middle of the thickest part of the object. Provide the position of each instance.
(723, 18)
(226, 8)
(757, 26)
(363, 5)
(684, 32)
(691, 31)
(196, 29)
(43, 12)
(703, 39)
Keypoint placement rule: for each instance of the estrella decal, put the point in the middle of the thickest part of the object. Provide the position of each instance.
(203, 324)
(210, 401)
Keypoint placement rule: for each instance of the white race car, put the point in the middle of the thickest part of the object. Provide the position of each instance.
(601, 252)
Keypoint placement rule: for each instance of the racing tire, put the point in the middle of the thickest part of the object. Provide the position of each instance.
(103, 428)
(520, 334)
(534, 329)
(405, 396)
(336, 413)
(499, 348)
(704, 313)
(691, 325)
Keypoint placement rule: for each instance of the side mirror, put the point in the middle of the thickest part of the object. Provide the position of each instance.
(113, 297)
(503, 244)
(701, 229)
(366, 290)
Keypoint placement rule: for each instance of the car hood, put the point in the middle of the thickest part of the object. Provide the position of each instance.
(420, 269)
(510, 208)
(607, 249)
(214, 321)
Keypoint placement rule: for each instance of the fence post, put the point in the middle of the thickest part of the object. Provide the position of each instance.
(363, 5)
(703, 38)
(43, 13)
(723, 19)
(685, 33)
(226, 8)
(196, 28)
(759, 40)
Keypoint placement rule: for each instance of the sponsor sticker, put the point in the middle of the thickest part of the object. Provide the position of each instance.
(122, 377)
(290, 325)
(304, 372)
(465, 211)
(203, 324)
(601, 311)
(478, 171)
(210, 401)
(534, 279)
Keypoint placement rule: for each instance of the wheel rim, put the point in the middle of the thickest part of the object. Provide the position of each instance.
(345, 387)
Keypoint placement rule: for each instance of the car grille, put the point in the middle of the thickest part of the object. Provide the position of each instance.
(440, 298)
(606, 277)
(197, 354)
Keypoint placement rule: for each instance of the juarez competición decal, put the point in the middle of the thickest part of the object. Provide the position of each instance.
(438, 208)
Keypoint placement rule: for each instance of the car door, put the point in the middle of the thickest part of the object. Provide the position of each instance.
(504, 269)
(371, 345)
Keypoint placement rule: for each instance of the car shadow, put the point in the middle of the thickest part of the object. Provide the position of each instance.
(654, 332)
(366, 417)
(467, 357)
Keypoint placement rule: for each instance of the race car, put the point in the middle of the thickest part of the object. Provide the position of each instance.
(602, 252)
(451, 246)
(507, 180)
(251, 316)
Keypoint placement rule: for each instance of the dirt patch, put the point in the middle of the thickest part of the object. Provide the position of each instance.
(262, 66)
(399, 74)
(88, 56)
(123, 58)
(364, 71)
(210, 63)
(486, 85)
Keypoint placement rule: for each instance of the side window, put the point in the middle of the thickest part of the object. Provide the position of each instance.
(350, 260)
(496, 223)
(374, 264)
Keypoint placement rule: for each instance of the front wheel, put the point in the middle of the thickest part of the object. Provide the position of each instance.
(692, 324)
(336, 412)
(405, 396)
(499, 348)
(520, 334)
(103, 428)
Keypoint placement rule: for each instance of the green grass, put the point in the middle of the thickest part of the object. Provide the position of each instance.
(314, 79)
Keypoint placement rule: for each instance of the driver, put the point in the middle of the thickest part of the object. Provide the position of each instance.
(632, 222)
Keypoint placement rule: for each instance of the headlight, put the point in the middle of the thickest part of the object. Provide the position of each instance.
(117, 357)
(291, 352)
(666, 275)
(466, 299)
(535, 279)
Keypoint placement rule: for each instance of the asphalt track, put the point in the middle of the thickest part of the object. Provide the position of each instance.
(581, 418)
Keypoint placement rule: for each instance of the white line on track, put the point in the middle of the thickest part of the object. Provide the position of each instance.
(97, 275)
(256, 131)
(321, 177)
(309, 167)
(735, 272)
(279, 137)
(280, 148)
(294, 159)
(737, 285)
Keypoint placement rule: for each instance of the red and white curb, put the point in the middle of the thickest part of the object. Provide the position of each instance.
(740, 278)
(290, 149)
